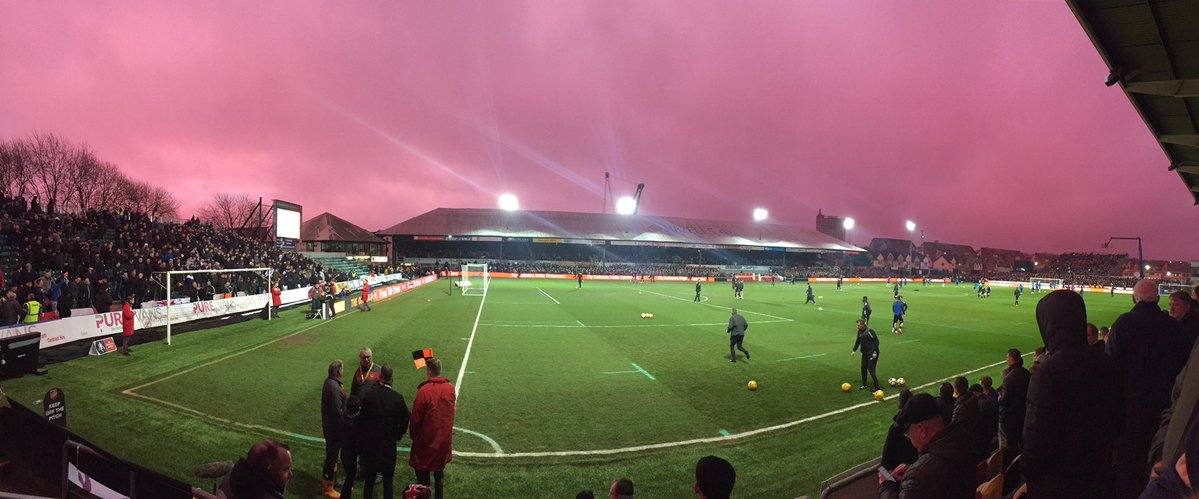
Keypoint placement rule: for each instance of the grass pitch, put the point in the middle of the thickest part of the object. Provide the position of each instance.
(563, 388)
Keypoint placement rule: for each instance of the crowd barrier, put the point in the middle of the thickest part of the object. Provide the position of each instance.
(40, 448)
(83, 327)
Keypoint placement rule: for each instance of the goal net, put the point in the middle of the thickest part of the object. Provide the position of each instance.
(1039, 283)
(185, 289)
(1164, 289)
(474, 279)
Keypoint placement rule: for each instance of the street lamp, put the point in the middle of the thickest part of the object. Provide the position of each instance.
(1140, 251)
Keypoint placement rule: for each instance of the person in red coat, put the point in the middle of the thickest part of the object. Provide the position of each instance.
(364, 301)
(126, 324)
(432, 427)
(276, 299)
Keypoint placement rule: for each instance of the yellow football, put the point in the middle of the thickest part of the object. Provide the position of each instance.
(846, 387)
(752, 385)
(879, 395)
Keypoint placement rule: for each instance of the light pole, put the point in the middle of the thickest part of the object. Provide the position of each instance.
(760, 215)
(1140, 251)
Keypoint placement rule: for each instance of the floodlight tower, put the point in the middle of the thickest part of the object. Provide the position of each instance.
(760, 215)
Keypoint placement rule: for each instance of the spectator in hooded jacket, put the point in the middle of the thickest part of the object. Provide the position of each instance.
(127, 319)
(1149, 348)
(945, 467)
(898, 449)
(432, 427)
(946, 402)
(1075, 407)
(333, 410)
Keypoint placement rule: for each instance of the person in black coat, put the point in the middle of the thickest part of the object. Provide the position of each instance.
(946, 402)
(867, 340)
(1149, 348)
(262, 474)
(1013, 397)
(1075, 408)
(898, 448)
(333, 409)
(383, 420)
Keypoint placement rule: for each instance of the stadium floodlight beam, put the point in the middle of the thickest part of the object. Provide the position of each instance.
(508, 202)
(910, 225)
(760, 214)
(848, 223)
(626, 205)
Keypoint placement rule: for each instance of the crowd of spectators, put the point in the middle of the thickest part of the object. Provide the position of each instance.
(67, 261)
(1095, 416)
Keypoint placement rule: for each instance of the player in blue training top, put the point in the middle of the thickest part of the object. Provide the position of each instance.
(898, 309)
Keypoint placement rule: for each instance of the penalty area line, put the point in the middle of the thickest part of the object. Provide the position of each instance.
(547, 295)
(722, 438)
(469, 343)
(715, 306)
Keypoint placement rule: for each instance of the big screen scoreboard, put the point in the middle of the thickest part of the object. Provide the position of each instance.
(287, 224)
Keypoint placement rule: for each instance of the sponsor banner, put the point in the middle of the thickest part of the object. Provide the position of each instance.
(83, 327)
(428, 238)
(588, 277)
(554, 240)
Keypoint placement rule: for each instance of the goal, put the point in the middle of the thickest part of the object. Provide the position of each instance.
(1043, 283)
(1164, 289)
(474, 279)
(256, 282)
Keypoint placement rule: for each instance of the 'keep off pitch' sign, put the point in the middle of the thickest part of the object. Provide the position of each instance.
(55, 406)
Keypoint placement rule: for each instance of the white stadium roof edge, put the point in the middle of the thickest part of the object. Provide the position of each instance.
(597, 228)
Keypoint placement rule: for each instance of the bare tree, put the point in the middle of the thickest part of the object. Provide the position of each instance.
(14, 164)
(73, 179)
(227, 211)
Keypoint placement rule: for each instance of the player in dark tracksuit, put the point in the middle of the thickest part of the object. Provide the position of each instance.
(865, 310)
(868, 342)
(811, 296)
(579, 277)
(737, 327)
(838, 283)
(697, 290)
(1019, 291)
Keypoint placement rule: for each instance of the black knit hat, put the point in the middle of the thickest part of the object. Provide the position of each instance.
(922, 407)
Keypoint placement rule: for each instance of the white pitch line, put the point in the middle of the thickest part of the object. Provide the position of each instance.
(718, 306)
(130, 391)
(619, 372)
(547, 295)
(489, 440)
(580, 322)
(490, 324)
(800, 357)
(735, 436)
(905, 342)
(469, 343)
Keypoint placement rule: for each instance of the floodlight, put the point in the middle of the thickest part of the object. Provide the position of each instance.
(508, 202)
(760, 214)
(626, 205)
(910, 225)
(1168, 273)
(848, 223)
(1146, 266)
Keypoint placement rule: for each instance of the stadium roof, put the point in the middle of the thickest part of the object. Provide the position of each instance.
(588, 227)
(1151, 48)
(328, 227)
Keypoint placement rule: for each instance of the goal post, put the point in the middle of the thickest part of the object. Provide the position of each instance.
(265, 272)
(474, 279)
(1166, 288)
(1045, 283)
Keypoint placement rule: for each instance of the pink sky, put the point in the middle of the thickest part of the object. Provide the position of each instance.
(986, 122)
